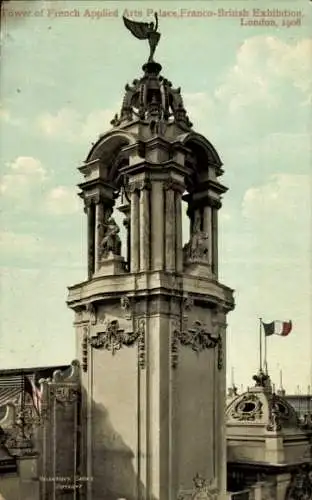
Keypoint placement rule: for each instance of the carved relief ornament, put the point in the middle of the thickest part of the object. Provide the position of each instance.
(65, 394)
(114, 338)
(84, 348)
(248, 409)
(202, 490)
(198, 339)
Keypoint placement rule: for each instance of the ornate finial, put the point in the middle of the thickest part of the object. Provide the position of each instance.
(145, 31)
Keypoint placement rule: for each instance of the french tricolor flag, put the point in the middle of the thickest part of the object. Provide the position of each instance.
(282, 328)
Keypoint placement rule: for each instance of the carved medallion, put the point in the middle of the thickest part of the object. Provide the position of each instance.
(249, 409)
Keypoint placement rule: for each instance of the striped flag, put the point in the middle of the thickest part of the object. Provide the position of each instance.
(282, 328)
(11, 386)
(36, 392)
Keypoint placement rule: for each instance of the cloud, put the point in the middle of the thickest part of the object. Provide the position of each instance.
(12, 243)
(28, 184)
(71, 126)
(26, 249)
(287, 195)
(6, 117)
(25, 174)
(262, 64)
(62, 200)
(200, 108)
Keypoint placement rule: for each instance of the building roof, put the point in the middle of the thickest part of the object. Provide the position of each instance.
(263, 427)
(262, 407)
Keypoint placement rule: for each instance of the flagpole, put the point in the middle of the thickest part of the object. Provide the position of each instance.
(260, 343)
(232, 376)
(265, 355)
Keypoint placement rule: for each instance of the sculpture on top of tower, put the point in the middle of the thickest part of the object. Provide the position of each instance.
(152, 97)
(145, 31)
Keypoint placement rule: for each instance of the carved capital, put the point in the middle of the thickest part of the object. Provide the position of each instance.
(145, 185)
(173, 185)
(133, 187)
(88, 202)
(138, 185)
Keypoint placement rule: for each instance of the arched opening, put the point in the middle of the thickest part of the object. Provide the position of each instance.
(107, 208)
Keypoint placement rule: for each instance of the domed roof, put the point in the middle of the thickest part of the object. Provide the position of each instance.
(262, 427)
(260, 406)
(152, 97)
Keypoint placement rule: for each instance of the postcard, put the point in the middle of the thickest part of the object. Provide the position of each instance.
(155, 248)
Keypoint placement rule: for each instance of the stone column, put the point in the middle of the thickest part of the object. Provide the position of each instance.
(126, 223)
(214, 235)
(207, 228)
(135, 231)
(178, 232)
(99, 232)
(145, 227)
(170, 228)
(89, 209)
(157, 226)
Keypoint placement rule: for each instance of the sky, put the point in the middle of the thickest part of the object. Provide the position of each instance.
(247, 88)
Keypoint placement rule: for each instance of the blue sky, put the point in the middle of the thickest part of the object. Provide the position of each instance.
(248, 89)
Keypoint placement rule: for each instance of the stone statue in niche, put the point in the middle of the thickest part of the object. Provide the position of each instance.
(110, 243)
(197, 248)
